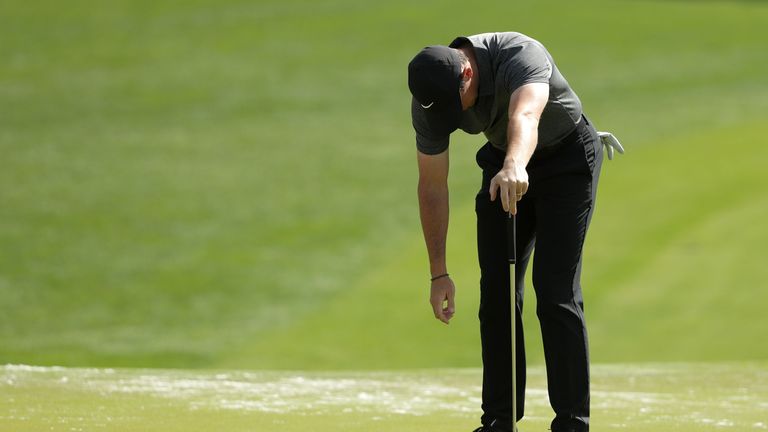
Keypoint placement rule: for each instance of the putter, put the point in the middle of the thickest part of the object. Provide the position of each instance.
(512, 256)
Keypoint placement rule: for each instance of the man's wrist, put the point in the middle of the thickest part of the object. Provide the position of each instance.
(437, 267)
(510, 162)
(439, 276)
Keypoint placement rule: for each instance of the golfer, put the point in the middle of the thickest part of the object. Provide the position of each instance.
(541, 162)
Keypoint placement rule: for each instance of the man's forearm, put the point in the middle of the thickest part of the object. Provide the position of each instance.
(522, 134)
(433, 209)
(526, 105)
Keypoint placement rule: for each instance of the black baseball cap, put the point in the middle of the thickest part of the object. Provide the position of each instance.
(434, 77)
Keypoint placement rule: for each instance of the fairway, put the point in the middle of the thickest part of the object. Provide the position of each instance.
(631, 398)
(232, 184)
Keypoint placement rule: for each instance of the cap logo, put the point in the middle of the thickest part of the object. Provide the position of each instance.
(427, 106)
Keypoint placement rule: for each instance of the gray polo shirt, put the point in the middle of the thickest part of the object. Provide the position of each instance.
(505, 62)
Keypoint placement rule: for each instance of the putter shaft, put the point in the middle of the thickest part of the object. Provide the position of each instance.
(512, 256)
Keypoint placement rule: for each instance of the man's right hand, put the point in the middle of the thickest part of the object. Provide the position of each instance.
(442, 298)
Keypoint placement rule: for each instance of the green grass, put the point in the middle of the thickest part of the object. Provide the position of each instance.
(232, 184)
(631, 398)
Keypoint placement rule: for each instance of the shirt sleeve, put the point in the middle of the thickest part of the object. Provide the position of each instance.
(528, 64)
(426, 142)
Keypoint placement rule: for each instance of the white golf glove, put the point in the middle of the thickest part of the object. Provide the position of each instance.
(610, 142)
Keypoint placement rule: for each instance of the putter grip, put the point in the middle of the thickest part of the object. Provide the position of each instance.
(511, 239)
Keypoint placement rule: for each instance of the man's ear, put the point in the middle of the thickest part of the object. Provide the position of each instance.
(467, 72)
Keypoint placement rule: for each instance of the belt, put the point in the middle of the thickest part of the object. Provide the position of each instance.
(572, 137)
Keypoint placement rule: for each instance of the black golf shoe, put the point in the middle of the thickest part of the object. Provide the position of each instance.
(492, 429)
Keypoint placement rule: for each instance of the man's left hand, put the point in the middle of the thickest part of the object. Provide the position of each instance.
(511, 183)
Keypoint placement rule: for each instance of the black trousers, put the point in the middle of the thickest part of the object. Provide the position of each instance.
(552, 221)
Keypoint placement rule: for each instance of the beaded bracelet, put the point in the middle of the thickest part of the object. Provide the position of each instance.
(439, 276)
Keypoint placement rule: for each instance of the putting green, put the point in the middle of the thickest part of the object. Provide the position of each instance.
(632, 398)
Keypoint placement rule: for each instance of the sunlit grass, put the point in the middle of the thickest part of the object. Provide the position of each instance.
(653, 397)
